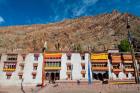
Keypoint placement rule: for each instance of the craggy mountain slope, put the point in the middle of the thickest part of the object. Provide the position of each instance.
(99, 32)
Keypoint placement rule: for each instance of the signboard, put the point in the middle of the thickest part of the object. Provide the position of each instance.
(95, 56)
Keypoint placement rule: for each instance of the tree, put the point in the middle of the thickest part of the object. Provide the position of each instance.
(124, 46)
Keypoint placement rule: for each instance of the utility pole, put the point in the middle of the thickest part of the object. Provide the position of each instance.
(132, 52)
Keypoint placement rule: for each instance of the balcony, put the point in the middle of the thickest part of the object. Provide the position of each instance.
(8, 73)
(116, 57)
(9, 70)
(34, 73)
(99, 61)
(53, 60)
(83, 72)
(20, 73)
(100, 68)
(52, 68)
(127, 57)
(52, 55)
(21, 64)
(129, 69)
(102, 56)
(68, 64)
(116, 61)
(116, 70)
(128, 61)
(82, 64)
(68, 72)
(35, 64)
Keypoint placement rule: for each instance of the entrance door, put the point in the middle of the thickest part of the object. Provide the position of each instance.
(100, 76)
(57, 76)
(52, 78)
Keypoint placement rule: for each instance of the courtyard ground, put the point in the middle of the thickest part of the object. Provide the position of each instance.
(74, 88)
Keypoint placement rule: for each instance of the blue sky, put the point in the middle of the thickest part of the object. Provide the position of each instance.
(24, 12)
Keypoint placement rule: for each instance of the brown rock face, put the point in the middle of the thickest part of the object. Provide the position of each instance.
(100, 32)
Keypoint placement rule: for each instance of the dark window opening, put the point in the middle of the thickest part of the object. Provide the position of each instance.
(69, 57)
(83, 57)
(20, 76)
(83, 75)
(8, 76)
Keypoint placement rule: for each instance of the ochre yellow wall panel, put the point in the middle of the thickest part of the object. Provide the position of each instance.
(99, 56)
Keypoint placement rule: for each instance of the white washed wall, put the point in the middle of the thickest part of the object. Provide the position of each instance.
(28, 69)
(27, 72)
(14, 80)
(76, 62)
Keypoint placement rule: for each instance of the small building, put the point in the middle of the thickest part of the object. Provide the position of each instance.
(121, 66)
(75, 66)
(128, 65)
(52, 66)
(116, 65)
(99, 62)
(21, 68)
(65, 66)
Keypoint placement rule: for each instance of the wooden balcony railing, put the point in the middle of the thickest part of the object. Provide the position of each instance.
(129, 69)
(9, 69)
(116, 61)
(99, 68)
(127, 61)
(116, 70)
(52, 68)
(99, 61)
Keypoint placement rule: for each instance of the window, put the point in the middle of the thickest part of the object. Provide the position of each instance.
(83, 75)
(8, 76)
(68, 76)
(68, 57)
(34, 75)
(35, 67)
(83, 57)
(23, 56)
(36, 56)
(126, 75)
(22, 67)
(117, 75)
(83, 67)
(128, 66)
(20, 76)
(53, 64)
(69, 67)
(116, 66)
(59, 64)
(99, 65)
(12, 57)
(9, 66)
